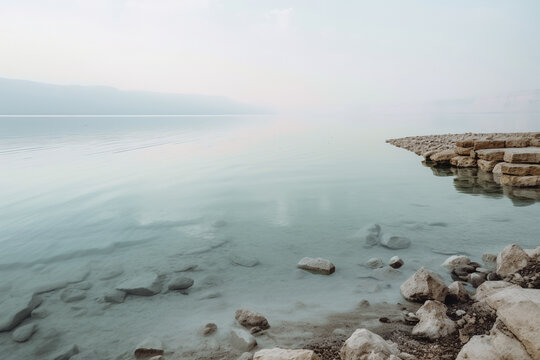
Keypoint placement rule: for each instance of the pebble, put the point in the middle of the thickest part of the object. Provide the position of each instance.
(396, 262)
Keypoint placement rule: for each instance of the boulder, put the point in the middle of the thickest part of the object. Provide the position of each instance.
(457, 292)
(242, 340)
(14, 310)
(283, 354)
(476, 279)
(249, 319)
(488, 144)
(395, 262)
(395, 242)
(491, 154)
(374, 263)
(433, 323)
(454, 261)
(520, 181)
(511, 260)
(520, 169)
(464, 151)
(149, 347)
(245, 261)
(317, 266)
(529, 155)
(424, 285)
(180, 283)
(487, 165)
(23, 333)
(365, 345)
(147, 284)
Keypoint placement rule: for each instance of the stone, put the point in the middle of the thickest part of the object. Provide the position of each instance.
(457, 292)
(66, 353)
(23, 333)
(488, 144)
(491, 154)
(491, 287)
(317, 266)
(395, 242)
(246, 356)
(374, 263)
(248, 318)
(371, 235)
(476, 279)
(433, 323)
(180, 283)
(285, 354)
(486, 165)
(424, 285)
(114, 296)
(14, 310)
(520, 169)
(463, 161)
(454, 261)
(529, 155)
(366, 345)
(208, 329)
(497, 170)
(460, 312)
(149, 347)
(395, 262)
(443, 156)
(533, 253)
(520, 181)
(147, 284)
(72, 295)
(518, 142)
(464, 151)
(242, 340)
(245, 261)
(468, 143)
(511, 260)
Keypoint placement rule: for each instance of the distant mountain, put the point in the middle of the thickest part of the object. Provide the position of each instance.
(20, 97)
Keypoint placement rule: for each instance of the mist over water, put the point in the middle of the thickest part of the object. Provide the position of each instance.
(81, 196)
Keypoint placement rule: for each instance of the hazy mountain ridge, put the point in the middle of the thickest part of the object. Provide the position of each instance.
(21, 97)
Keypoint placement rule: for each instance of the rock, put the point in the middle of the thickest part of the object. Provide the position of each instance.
(365, 345)
(520, 181)
(208, 329)
(493, 277)
(468, 143)
(147, 284)
(246, 356)
(249, 319)
(396, 262)
(72, 295)
(395, 242)
(110, 272)
(518, 142)
(511, 260)
(424, 285)
(39, 313)
(245, 261)
(460, 312)
(497, 170)
(374, 263)
(533, 253)
(180, 283)
(491, 287)
(114, 296)
(242, 340)
(317, 266)
(66, 353)
(443, 156)
(283, 354)
(486, 165)
(520, 169)
(23, 333)
(454, 261)
(149, 347)
(433, 323)
(464, 151)
(491, 154)
(476, 279)
(463, 161)
(371, 235)
(529, 155)
(14, 310)
(457, 292)
(488, 144)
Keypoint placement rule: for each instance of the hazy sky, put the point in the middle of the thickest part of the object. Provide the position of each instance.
(279, 53)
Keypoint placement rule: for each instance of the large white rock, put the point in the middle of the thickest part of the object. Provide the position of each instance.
(317, 266)
(424, 285)
(491, 287)
(242, 340)
(454, 261)
(147, 284)
(248, 318)
(285, 354)
(14, 310)
(511, 259)
(395, 242)
(365, 345)
(433, 321)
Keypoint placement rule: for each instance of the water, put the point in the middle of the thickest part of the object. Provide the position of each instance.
(84, 197)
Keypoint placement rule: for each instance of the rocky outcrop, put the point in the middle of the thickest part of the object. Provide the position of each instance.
(284, 354)
(317, 266)
(249, 319)
(365, 345)
(424, 285)
(433, 321)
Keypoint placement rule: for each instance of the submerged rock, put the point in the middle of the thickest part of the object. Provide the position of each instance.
(114, 296)
(433, 321)
(249, 319)
(242, 340)
(371, 235)
(66, 353)
(365, 345)
(424, 285)
(317, 266)
(143, 285)
(23, 333)
(149, 347)
(386, 273)
(180, 283)
(374, 263)
(14, 310)
(72, 295)
(283, 354)
(245, 261)
(395, 242)
(208, 329)
(454, 261)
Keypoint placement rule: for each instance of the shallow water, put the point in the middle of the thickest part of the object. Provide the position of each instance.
(82, 198)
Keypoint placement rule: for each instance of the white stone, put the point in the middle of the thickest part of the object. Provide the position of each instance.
(14, 310)
(242, 340)
(23, 333)
(248, 318)
(424, 285)
(395, 242)
(433, 323)
(454, 261)
(147, 284)
(365, 345)
(511, 260)
(317, 266)
(374, 263)
(285, 354)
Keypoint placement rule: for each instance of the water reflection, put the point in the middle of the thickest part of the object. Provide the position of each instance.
(478, 182)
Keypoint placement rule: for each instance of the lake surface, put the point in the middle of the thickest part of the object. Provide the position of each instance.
(86, 198)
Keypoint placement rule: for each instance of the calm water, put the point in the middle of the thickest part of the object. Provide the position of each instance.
(81, 198)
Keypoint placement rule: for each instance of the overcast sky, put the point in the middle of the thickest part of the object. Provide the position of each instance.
(285, 54)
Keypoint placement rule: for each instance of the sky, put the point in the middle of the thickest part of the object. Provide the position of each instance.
(284, 54)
